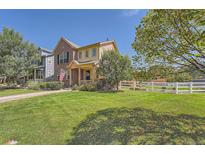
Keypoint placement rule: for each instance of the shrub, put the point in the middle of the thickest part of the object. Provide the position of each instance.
(55, 85)
(75, 87)
(33, 85)
(88, 87)
(164, 87)
(83, 88)
(91, 87)
(100, 84)
(42, 85)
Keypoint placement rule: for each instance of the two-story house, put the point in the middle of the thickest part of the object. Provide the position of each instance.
(79, 62)
(45, 69)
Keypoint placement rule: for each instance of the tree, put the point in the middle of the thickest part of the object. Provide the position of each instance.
(175, 37)
(168, 73)
(17, 57)
(114, 68)
(179, 77)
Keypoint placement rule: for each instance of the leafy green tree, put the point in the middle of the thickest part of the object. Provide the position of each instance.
(179, 77)
(172, 36)
(168, 73)
(114, 68)
(159, 72)
(17, 57)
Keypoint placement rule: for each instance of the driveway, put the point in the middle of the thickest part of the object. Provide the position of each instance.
(29, 95)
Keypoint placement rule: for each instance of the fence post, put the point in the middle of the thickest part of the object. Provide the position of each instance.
(152, 86)
(190, 85)
(176, 87)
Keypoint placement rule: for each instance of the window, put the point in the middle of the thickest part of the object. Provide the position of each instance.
(49, 61)
(50, 72)
(39, 74)
(86, 53)
(94, 52)
(63, 57)
(80, 55)
(41, 61)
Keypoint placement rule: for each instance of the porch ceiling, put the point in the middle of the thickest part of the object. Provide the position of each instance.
(75, 64)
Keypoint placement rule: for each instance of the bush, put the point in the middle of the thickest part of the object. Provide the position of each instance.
(75, 87)
(91, 87)
(88, 87)
(55, 85)
(42, 85)
(164, 87)
(33, 85)
(100, 84)
(104, 86)
(83, 88)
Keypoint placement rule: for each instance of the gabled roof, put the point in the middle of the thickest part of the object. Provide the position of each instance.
(99, 43)
(71, 43)
(75, 46)
(45, 52)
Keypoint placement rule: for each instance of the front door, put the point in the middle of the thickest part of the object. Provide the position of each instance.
(87, 75)
(74, 76)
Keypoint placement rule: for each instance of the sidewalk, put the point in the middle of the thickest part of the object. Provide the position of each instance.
(29, 95)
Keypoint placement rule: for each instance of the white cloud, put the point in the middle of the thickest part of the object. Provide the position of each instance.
(130, 13)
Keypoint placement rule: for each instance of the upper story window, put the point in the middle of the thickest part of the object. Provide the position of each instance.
(40, 62)
(94, 52)
(80, 55)
(63, 58)
(86, 53)
(49, 61)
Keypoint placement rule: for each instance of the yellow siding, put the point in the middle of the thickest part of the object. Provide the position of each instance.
(89, 58)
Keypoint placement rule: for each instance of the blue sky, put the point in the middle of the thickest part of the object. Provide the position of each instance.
(83, 27)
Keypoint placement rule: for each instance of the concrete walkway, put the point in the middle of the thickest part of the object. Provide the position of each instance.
(29, 95)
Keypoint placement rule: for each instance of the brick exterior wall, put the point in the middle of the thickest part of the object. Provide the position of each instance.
(65, 46)
(62, 47)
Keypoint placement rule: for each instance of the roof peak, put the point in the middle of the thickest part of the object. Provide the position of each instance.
(45, 50)
(68, 41)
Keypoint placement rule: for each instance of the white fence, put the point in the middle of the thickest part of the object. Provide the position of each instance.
(167, 87)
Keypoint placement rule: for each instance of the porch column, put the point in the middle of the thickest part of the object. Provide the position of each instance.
(79, 75)
(70, 76)
(93, 73)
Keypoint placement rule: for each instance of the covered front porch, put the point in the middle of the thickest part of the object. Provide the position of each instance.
(81, 73)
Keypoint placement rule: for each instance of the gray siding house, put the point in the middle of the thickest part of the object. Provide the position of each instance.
(45, 69)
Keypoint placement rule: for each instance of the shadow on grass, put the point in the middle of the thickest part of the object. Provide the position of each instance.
(138, 126)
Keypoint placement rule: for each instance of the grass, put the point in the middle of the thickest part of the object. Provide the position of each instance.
(8, 92)
(127, 117)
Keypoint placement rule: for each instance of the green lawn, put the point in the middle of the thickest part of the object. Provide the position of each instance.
(7, 92)
(105, 118)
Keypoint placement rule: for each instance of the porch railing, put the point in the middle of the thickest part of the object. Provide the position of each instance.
(85, 81)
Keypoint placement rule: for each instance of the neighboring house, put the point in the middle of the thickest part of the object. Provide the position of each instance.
(45, 69)
(78, 63)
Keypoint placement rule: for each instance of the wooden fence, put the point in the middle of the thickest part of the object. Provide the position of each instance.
(167, 87)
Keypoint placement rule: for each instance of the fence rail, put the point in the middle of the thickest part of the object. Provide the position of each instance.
(167, 87)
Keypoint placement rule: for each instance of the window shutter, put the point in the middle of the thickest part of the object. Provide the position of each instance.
(67, 56)
(57, 59)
